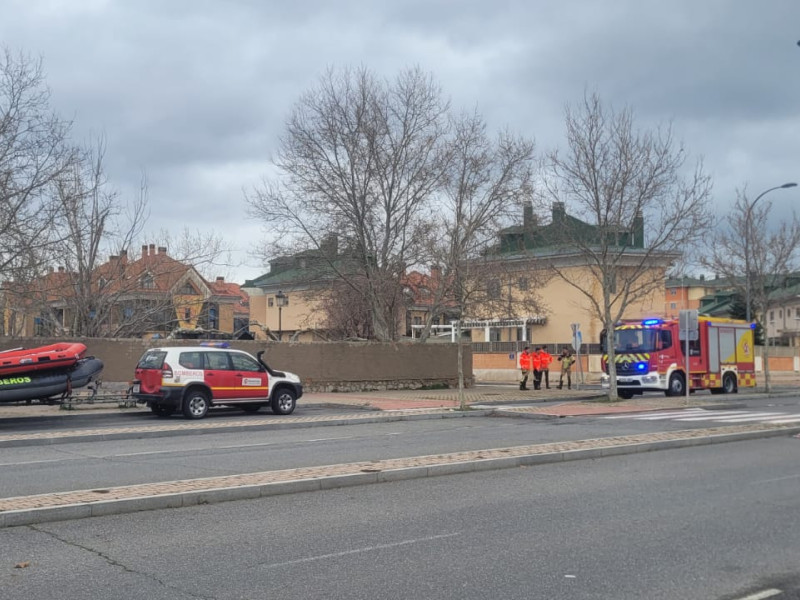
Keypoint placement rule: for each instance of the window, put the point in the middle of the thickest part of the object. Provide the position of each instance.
(191, 360)
(127, 313)
(771, 315)
(270, 302)
(146, 281)
(213, 321)
(417, 320)
(673, 292)
(494, 334)
(493, 289)
(244, 363)
(780, 313)
(522, 284)
(673, 305)
(187, 314)
(152, 359)
(217, 361)
(188, 290)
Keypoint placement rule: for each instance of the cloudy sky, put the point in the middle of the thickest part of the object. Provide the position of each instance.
(195, 93)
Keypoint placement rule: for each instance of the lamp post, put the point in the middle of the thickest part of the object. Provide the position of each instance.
(281, 300)
(747, 227)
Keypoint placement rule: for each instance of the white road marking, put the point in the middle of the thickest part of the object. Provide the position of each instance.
(755, 416)
(774, 480)
(360, 550)
(762, 595)
(668, 413)
(702, 414)
(718, 416)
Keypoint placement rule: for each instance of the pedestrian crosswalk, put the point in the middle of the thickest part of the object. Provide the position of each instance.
(718, 416)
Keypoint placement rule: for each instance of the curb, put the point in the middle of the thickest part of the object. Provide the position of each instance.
(214, 490)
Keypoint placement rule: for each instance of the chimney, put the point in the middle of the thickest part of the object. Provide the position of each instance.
(638, 230)
(152, 249)
(123, 256)
(330, 246)
(113, 258)
(60, 269)
(144, 249)
(50, 269)
(436, 274)
(559, 212)
(220, 280)
(162, 250)
(527, 216)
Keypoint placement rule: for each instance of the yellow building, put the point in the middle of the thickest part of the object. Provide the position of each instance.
(534, 261)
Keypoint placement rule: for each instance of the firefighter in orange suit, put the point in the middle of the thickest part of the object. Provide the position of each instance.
(546, 358)
(536, 359)
(525, 365)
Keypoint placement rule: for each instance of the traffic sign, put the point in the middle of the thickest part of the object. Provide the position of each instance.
(577, 337)
(687, 325)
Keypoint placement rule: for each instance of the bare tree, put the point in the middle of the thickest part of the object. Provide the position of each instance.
(630, 186)
(741, 246)
(360, 159)
(34, 155)
(485, 180)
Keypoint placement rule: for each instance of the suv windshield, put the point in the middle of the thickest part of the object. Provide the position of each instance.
(152, 359)
(641, 340)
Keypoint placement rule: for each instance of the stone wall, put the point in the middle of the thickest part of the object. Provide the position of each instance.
(323, 366)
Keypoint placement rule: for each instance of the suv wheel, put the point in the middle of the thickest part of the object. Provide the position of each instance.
(196, 404)
(284, 401)
(250, 408)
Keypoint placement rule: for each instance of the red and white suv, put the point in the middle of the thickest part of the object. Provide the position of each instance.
(191, 379)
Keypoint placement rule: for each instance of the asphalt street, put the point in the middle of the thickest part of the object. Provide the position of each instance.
(711, 523)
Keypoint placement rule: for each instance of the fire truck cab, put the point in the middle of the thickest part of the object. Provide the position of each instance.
(650, 357)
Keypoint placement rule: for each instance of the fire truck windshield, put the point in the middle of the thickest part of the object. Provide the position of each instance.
(638, 340)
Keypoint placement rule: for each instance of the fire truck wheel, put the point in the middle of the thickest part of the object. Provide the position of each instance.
(625, 394)
(676, 385)
(729, 384)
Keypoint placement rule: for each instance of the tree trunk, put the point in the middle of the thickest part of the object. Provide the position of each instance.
(462, 398)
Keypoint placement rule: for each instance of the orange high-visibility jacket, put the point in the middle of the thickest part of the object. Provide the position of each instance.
(546, 358)
(526, 360)
(536, 359)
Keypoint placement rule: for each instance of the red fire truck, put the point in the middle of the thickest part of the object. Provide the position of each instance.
(650, 357)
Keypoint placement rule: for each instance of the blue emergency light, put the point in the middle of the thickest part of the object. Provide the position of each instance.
(651, 322)
(642, 366)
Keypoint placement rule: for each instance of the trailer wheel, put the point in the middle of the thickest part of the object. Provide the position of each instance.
(729, 385)
(677, 385)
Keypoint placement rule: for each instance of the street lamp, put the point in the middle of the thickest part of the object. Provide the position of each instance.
(281, 300)
(747, 226)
